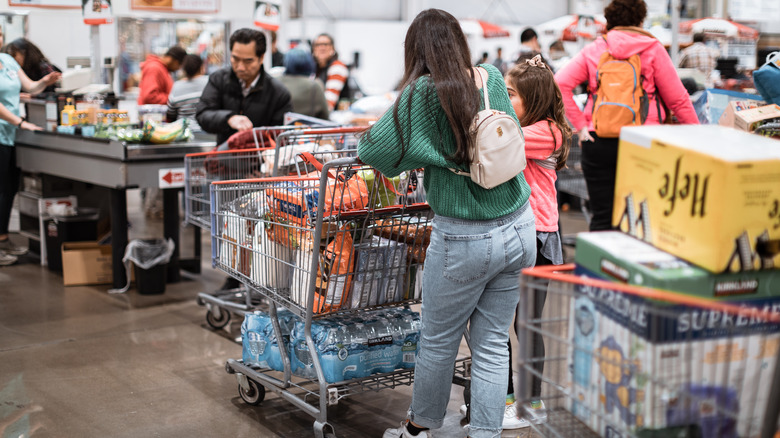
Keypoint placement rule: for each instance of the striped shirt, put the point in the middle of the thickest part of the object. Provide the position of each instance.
(184, 98)
(335, 81)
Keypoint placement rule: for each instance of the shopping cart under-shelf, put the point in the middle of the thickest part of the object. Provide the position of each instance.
(627, 361)
(345, 241)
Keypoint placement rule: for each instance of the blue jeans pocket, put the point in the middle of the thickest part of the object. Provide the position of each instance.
(526, 232)
(466, 257)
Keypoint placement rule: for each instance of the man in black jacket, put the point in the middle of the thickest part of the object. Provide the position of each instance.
(242, 96)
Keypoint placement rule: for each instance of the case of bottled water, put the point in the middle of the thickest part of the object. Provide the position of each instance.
(259, 340)
(356, 346)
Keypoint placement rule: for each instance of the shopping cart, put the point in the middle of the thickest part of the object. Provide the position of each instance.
(340, 245)
(571, 181)
(263, 158)
(627, 361)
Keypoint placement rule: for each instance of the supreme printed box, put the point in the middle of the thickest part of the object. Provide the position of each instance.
(619, 257)
(707, 194)
(671, 356)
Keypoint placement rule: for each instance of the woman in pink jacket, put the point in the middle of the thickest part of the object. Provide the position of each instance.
(626, 38)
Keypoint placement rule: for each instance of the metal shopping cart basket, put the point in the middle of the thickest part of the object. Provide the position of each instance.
(627, 361)
(336, 255)
(258, 159)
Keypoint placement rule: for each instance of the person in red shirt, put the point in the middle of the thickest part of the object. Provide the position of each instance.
(156, 80)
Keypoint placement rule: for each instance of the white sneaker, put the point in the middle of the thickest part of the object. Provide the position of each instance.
(463, 410)
(8, 247)
(7, 259)
(511, 420)
(535, 411)
(401, 432)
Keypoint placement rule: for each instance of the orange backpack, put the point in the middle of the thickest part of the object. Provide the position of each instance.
(620, 100)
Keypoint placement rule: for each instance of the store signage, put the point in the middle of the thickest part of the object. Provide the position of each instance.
(97, 12)
(170, 178)
(46, 3)
(177, 5)
(268, 14)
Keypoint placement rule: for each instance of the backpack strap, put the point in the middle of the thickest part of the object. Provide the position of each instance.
(487, 107)
(484, 88)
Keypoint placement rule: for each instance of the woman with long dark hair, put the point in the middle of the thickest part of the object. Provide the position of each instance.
(481, 238)
(31, 59)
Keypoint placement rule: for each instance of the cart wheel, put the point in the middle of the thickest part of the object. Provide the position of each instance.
(254, 396)
(217, 322)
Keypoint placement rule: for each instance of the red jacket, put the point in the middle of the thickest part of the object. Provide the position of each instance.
(156, 82)
(657, 69)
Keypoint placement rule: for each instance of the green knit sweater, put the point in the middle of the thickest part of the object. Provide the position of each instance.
(431, 139)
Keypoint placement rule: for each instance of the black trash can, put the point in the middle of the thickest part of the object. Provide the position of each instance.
(59, 229)
(151, 281)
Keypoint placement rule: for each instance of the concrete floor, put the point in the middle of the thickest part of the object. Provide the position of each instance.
(78, 362)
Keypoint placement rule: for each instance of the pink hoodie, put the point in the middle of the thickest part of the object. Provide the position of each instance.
(539, 145)
(657, 70)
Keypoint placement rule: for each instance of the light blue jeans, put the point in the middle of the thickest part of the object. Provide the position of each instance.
(472, 271)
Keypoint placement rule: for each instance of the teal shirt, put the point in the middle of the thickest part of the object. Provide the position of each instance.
(431, 139)
(10, 87)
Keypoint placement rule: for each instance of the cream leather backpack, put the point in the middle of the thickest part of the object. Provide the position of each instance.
(499, 146)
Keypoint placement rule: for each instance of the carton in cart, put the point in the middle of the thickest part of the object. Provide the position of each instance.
(707, 194)
(670, 353)
(750, 119)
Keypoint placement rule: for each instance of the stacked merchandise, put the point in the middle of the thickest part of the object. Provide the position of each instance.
(347, 346)
(710, 196)
(682, 347)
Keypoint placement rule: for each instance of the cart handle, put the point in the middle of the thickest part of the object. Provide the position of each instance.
(230, 151)
(562, 273)
(269, 179)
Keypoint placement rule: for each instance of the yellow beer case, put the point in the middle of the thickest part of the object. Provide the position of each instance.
(707, 194)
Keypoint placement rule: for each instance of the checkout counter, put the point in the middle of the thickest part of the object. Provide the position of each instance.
(116, 166)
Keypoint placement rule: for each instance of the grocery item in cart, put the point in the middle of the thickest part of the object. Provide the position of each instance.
(368, 284)
(707, 194)
(380, 272)
(289, 160)
(251, 139)
(272, 257)
(334, 273)
(357, 346)
(260, 345)
(414, 232)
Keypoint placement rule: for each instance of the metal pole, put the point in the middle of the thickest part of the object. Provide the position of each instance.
(94, 59)
(674, 51)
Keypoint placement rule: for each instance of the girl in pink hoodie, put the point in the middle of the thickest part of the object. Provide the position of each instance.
(538, 104)
(624, 38)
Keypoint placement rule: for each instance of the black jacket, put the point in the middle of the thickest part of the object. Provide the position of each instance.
(265, 104)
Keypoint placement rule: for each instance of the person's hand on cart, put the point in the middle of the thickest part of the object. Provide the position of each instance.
(240, 123)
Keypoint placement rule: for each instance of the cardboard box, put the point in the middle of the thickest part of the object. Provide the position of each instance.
(750, 119)
(86, 263)
(617, 256)
(707, 194)
(727, 119)
(623, 381)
